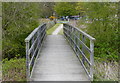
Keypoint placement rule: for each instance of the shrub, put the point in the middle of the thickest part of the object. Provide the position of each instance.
(19, 19)
(14, 70)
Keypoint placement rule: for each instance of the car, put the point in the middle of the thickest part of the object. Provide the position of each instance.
(74, 17)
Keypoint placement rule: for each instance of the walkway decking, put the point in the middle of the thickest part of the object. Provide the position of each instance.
(57, 62)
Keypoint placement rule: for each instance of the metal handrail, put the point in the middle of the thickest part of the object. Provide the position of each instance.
(33, 44)
(73, 35)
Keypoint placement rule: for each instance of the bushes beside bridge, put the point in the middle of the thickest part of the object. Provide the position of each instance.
(104, 28)
(19, 19)
(14, 69)
(102, 24)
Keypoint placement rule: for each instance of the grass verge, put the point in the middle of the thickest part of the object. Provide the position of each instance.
(49, 31)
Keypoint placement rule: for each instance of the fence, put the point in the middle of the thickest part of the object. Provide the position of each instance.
(83, 46)
(33, 44)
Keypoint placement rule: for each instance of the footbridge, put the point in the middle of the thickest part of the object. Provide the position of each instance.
(67, 57)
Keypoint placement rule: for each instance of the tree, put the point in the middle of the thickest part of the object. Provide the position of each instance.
(65, 8)
(80, 8)
(46, 9)
(104, 28)
(18, 20)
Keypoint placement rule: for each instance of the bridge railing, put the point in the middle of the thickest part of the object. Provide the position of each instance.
(33, 44)
(83, 46)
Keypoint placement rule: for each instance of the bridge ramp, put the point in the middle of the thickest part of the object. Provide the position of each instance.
(58, 62)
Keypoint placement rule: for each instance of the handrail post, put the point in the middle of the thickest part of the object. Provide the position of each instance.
(74, 40)
(83, 50)
(27, 61)
(71, 35)
(45, 30)
(91, 58)
(32, 43)
(79, 42)
(40, 36)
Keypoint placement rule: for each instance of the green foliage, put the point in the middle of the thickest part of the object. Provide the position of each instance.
(65, 8)
(80, 8)
(0, 35)
(14, 70)
(103, 25)
(46, 9)
(0, 9)
(19, 19)
(104, 28)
